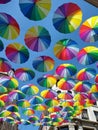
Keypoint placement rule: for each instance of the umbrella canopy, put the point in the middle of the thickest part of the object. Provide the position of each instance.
(65, 84)
(12, 108)
(93, 97)
(28, 112)
(52, 102)
(26, 122)
(2, 103)
(1, 45)
(88, 55)
(37, 38)
(9, 82)
(46, 119)
(58, 119)
(43, 63)
(23, 103)
(96, 78)
(67, 18)
(66, 70)
(4, 97)
(80, 96)
(9, 120)
(86, 74)
(67, 103)
(89, 30)
(39, 107)
(3, 89)
(48, 94)
(4, 1)
(35, 9)
(17, 53)
(24, 74)
(16, 95)
(66, 49)
(4, 65)
(4, 113)
(9, 27)
(94, 88)
(54, 109)
(65, 96)
(30, 89)
(82, 86)
(33, 119)
(36, 100)
(47, 80)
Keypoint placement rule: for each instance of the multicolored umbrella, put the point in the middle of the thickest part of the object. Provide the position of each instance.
(3, 89)
(96, 78)
(66, 49)
(4, 65)
(52, 102)
(86, 74)
(12, 108)
(65, 84)
(36, 100)
(4, 1)
(58, 119)
(66, 70)
(26, 122)
(43, 63)
(17, 53)
(47, 80)
(9, 82)
(33, 119)
(88, 55)
(80, 96)
(46, 119)
(9, 120)
(65, 96)
(16, 95)
(4, 113)
(48, 94)
(28, 112)
(35, 9)
(4, 97)
(82, 86)
(54, 109)
(37, 38)
(24, 74)
(94, 88)
(67, 103)
(1, 45)
(39, 107)
(30, 89)
(92, 97)
(9, 27)
(2, 103)
(89, 30)
(67, 17)
(23, 103)
(79, 103)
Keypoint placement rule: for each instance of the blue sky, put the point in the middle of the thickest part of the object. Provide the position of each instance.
(13, 9)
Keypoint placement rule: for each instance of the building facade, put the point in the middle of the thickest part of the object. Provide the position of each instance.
(88, 120)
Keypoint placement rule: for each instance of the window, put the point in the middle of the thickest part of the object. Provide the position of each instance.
(96, 114)
(76, 127)
(84, 128)
(63, 128)
(85, 114)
